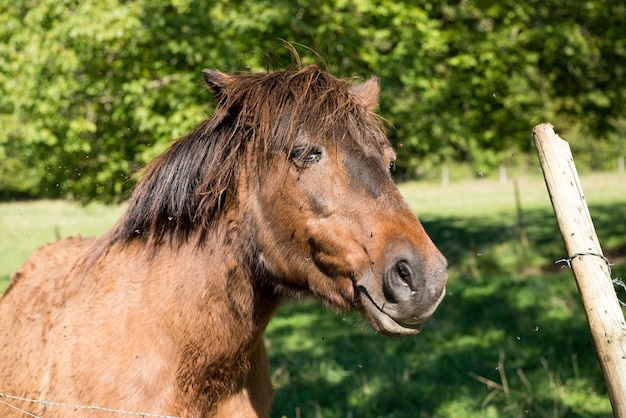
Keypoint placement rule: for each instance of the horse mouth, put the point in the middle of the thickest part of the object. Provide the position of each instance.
(385, 323)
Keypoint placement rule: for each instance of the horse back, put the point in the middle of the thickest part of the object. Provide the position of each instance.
(42, 270)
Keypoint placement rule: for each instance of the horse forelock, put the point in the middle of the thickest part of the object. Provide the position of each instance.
(258, 116)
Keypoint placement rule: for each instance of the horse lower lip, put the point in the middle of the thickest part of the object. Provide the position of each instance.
(409, 323)
(386, 324)
(416, 327)
(401, 329)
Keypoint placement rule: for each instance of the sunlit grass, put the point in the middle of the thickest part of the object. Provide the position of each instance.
(485, 197)
(26, 226)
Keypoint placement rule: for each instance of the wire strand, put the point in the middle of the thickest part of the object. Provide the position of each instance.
(64, 405)
(616, 281)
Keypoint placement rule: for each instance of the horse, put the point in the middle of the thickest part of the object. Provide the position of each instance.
(284, 190)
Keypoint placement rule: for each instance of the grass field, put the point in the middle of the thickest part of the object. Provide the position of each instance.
(509, 340)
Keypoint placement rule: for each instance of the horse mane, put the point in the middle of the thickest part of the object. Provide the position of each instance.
(191, 184)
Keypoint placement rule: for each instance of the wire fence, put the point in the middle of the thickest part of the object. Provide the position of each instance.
(5, 400)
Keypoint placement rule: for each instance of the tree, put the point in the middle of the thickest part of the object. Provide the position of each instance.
(90, 91)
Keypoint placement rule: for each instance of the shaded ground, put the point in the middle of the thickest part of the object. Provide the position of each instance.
(509, 340)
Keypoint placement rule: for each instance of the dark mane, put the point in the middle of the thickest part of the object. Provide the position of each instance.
(258, 115)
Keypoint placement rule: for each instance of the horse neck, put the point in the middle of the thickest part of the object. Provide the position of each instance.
(214, 305)
(226, 309)
(214, 286)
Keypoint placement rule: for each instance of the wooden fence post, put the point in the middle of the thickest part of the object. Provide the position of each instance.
(591, 269)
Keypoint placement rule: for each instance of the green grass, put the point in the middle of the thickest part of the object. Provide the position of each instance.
(509, 340)
(26, 226)
(502, 348)
(486, 197)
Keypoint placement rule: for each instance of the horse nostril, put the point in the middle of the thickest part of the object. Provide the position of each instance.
(399, 283)
(403, 271)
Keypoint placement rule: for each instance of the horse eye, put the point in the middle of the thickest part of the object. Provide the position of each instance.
(312, 157)
(392, 167)
(305, 155)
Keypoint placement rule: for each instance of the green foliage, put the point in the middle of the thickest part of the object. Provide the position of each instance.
(90, 91)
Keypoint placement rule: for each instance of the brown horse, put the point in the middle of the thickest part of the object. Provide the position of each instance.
(286, 188)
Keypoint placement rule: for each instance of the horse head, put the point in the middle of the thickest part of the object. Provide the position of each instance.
(321, 204)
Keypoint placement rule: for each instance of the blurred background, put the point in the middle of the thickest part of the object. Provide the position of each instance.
(91, 91)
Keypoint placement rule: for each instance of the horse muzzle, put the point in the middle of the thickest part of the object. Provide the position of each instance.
(407, 296)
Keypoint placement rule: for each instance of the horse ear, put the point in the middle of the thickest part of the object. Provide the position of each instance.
(216, 81)
(368, 92)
